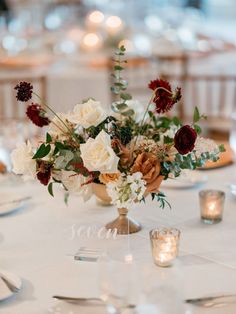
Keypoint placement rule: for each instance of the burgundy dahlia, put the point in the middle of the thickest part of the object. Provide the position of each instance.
(24, 91)
(37, 115)
(164, 97)
(44, 172)
(185, 139)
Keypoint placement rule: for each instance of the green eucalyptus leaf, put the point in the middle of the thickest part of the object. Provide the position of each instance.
(196, 115)
(168, 140)
(176, 121)
(118, 68)
(42, 151)
(114, 108)
(59, 145)
(50, 189)
(48, 138)
(221, 148)
(125, 96)
(66, 198)
(197, 129)
(128, 113)
(121, 106)
(122, 48)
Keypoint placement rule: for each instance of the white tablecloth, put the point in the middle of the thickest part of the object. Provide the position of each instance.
(36, 243)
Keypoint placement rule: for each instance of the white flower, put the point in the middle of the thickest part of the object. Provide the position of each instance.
(88, 114)
(57, 127)
(126, 190)
(76, 184)
(204, 145)
(98, 155)
(22, 161)
(169, 133)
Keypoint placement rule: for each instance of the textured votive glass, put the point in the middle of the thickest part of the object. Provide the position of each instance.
(212, 205)
(164, 245)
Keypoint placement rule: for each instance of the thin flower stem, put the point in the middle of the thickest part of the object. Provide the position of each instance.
(151, 100)
(59, 128)
(50, 109)
(146, 111)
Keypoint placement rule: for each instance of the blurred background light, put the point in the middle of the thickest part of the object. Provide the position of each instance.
(96, 17)
(91, 41)
(53, 21)
(114, 24)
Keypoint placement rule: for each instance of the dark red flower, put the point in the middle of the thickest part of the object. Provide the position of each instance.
(44, 172)
(185, 139)
(37, 115)
(24, 91)
(164, 98)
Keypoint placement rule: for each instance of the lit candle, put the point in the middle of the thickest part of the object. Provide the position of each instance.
(164, 245)
(94, 19)
(114, 24)
(212, 205)
(91, 41)
(129, 258)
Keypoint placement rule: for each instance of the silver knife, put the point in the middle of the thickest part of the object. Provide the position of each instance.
(75, 299)
(212, 300)
(78, 299)
(26, 198)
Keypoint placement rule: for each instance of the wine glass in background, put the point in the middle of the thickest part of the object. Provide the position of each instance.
(232, 138)
(118, 283)
(159, 286)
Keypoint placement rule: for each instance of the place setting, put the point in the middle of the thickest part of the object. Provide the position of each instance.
(12, 202)
(117, 157)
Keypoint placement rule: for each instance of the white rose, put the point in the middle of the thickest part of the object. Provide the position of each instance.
(22, 161)
(76, 184)
(98, 155)
(57, 128)
(88, 114)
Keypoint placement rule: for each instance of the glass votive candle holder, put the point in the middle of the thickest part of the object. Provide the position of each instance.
(212, 205)
(164, 245)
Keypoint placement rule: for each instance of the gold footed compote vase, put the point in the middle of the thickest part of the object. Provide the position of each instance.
(122, 224)
(102, 198)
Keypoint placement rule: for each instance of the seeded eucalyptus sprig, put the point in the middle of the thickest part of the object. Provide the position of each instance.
(120, 85)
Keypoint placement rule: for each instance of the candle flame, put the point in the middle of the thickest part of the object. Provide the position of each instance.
(91, 39)
(129, 258)
(96, 17)
(113, 22)
(212, 206)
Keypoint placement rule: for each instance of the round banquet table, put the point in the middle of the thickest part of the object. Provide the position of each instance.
(38, 244)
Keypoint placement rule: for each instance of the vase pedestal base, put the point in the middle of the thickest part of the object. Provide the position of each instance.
(124, 224)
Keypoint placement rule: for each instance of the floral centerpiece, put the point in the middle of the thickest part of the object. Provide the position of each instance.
(127, 152)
